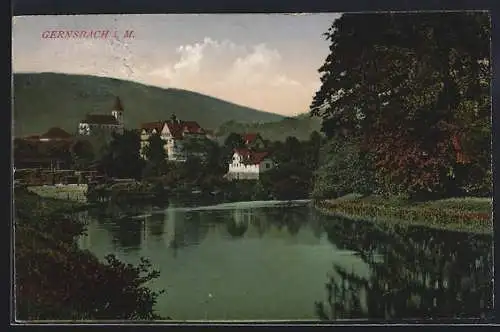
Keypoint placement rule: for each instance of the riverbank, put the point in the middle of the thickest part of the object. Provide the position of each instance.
(46, 253)
(468, 214)
(76, 192)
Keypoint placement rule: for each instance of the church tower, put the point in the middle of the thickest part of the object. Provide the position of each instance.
(118, 110)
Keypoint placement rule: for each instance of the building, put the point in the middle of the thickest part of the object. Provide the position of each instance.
(106, 124)
(248, 164)
(253, 141)
(177, 135)
(53, 134)
(51, 150)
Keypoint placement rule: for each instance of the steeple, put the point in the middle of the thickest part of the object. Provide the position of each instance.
(118, 110)
(118, 104)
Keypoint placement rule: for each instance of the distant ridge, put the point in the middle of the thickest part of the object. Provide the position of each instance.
(45, 100)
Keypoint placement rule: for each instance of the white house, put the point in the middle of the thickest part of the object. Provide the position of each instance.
(176, 134)
(103, 123)
(248, 164)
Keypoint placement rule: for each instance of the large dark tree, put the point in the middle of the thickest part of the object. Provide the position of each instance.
(121, 156)
(82, 154)
(155, 155)
(233, 141)
(415, 89)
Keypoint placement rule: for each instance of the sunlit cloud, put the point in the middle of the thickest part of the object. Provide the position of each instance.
(241, 65)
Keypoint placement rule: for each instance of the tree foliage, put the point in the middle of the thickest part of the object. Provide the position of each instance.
(121, 157)
(82, 154)
(408, 87)
(343, 169)
(155, 156)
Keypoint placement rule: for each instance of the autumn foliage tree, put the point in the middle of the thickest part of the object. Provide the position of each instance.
(409, 87)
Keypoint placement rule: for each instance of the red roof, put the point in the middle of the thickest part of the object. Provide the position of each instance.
(251, 157)
(179, 128)
(103, 119)
(150, 126)
(249, 137)
(56, 133)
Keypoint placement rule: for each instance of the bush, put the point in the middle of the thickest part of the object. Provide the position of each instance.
(343, 169)
(47, 253)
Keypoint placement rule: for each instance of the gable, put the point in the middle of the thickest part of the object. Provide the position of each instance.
(165, 130)
(150, 126)
(252, 138)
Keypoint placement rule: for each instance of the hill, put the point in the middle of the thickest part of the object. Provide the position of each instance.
(44, 100)
(301, 127)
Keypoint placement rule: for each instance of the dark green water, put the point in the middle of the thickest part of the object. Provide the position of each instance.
(268, 261)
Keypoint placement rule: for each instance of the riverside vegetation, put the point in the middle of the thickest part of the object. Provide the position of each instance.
(57, 280)
(407, 114)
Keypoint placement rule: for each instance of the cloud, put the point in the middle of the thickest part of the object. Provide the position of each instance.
(225, 64)
(282, 80)
(191, 56)
(195, 59)
(255, 67)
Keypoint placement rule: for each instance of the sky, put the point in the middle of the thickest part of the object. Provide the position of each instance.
(268, 62)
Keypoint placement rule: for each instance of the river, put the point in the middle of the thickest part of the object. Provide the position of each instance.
(285, 261)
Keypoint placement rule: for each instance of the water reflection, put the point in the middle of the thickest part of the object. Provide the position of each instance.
(155, 223)
(238, 225)
(126, 233)
(415, 273)
(272, 262)
(285, 217)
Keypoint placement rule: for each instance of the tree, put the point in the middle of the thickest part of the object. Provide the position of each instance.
(313, 149)
(82, 154)
(155, 155)
(214, 162)
(234, 141)
(407, 87)
(343, 169)
(287, 181)
(47, 253)
(120, 158)
(292, 150)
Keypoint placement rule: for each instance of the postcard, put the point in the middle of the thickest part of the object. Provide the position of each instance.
(234, 168)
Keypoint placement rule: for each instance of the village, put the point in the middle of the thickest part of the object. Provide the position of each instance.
(44, 160)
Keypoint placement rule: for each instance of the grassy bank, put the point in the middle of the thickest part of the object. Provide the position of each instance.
(70, 192)
(468, 214)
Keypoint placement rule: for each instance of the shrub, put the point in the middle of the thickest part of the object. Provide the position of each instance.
(344, 169)
(56, 280)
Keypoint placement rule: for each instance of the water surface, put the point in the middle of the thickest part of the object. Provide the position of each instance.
(276, 260)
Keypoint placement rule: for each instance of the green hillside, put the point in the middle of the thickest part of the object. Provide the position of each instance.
(301, 127)
(44, 100)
